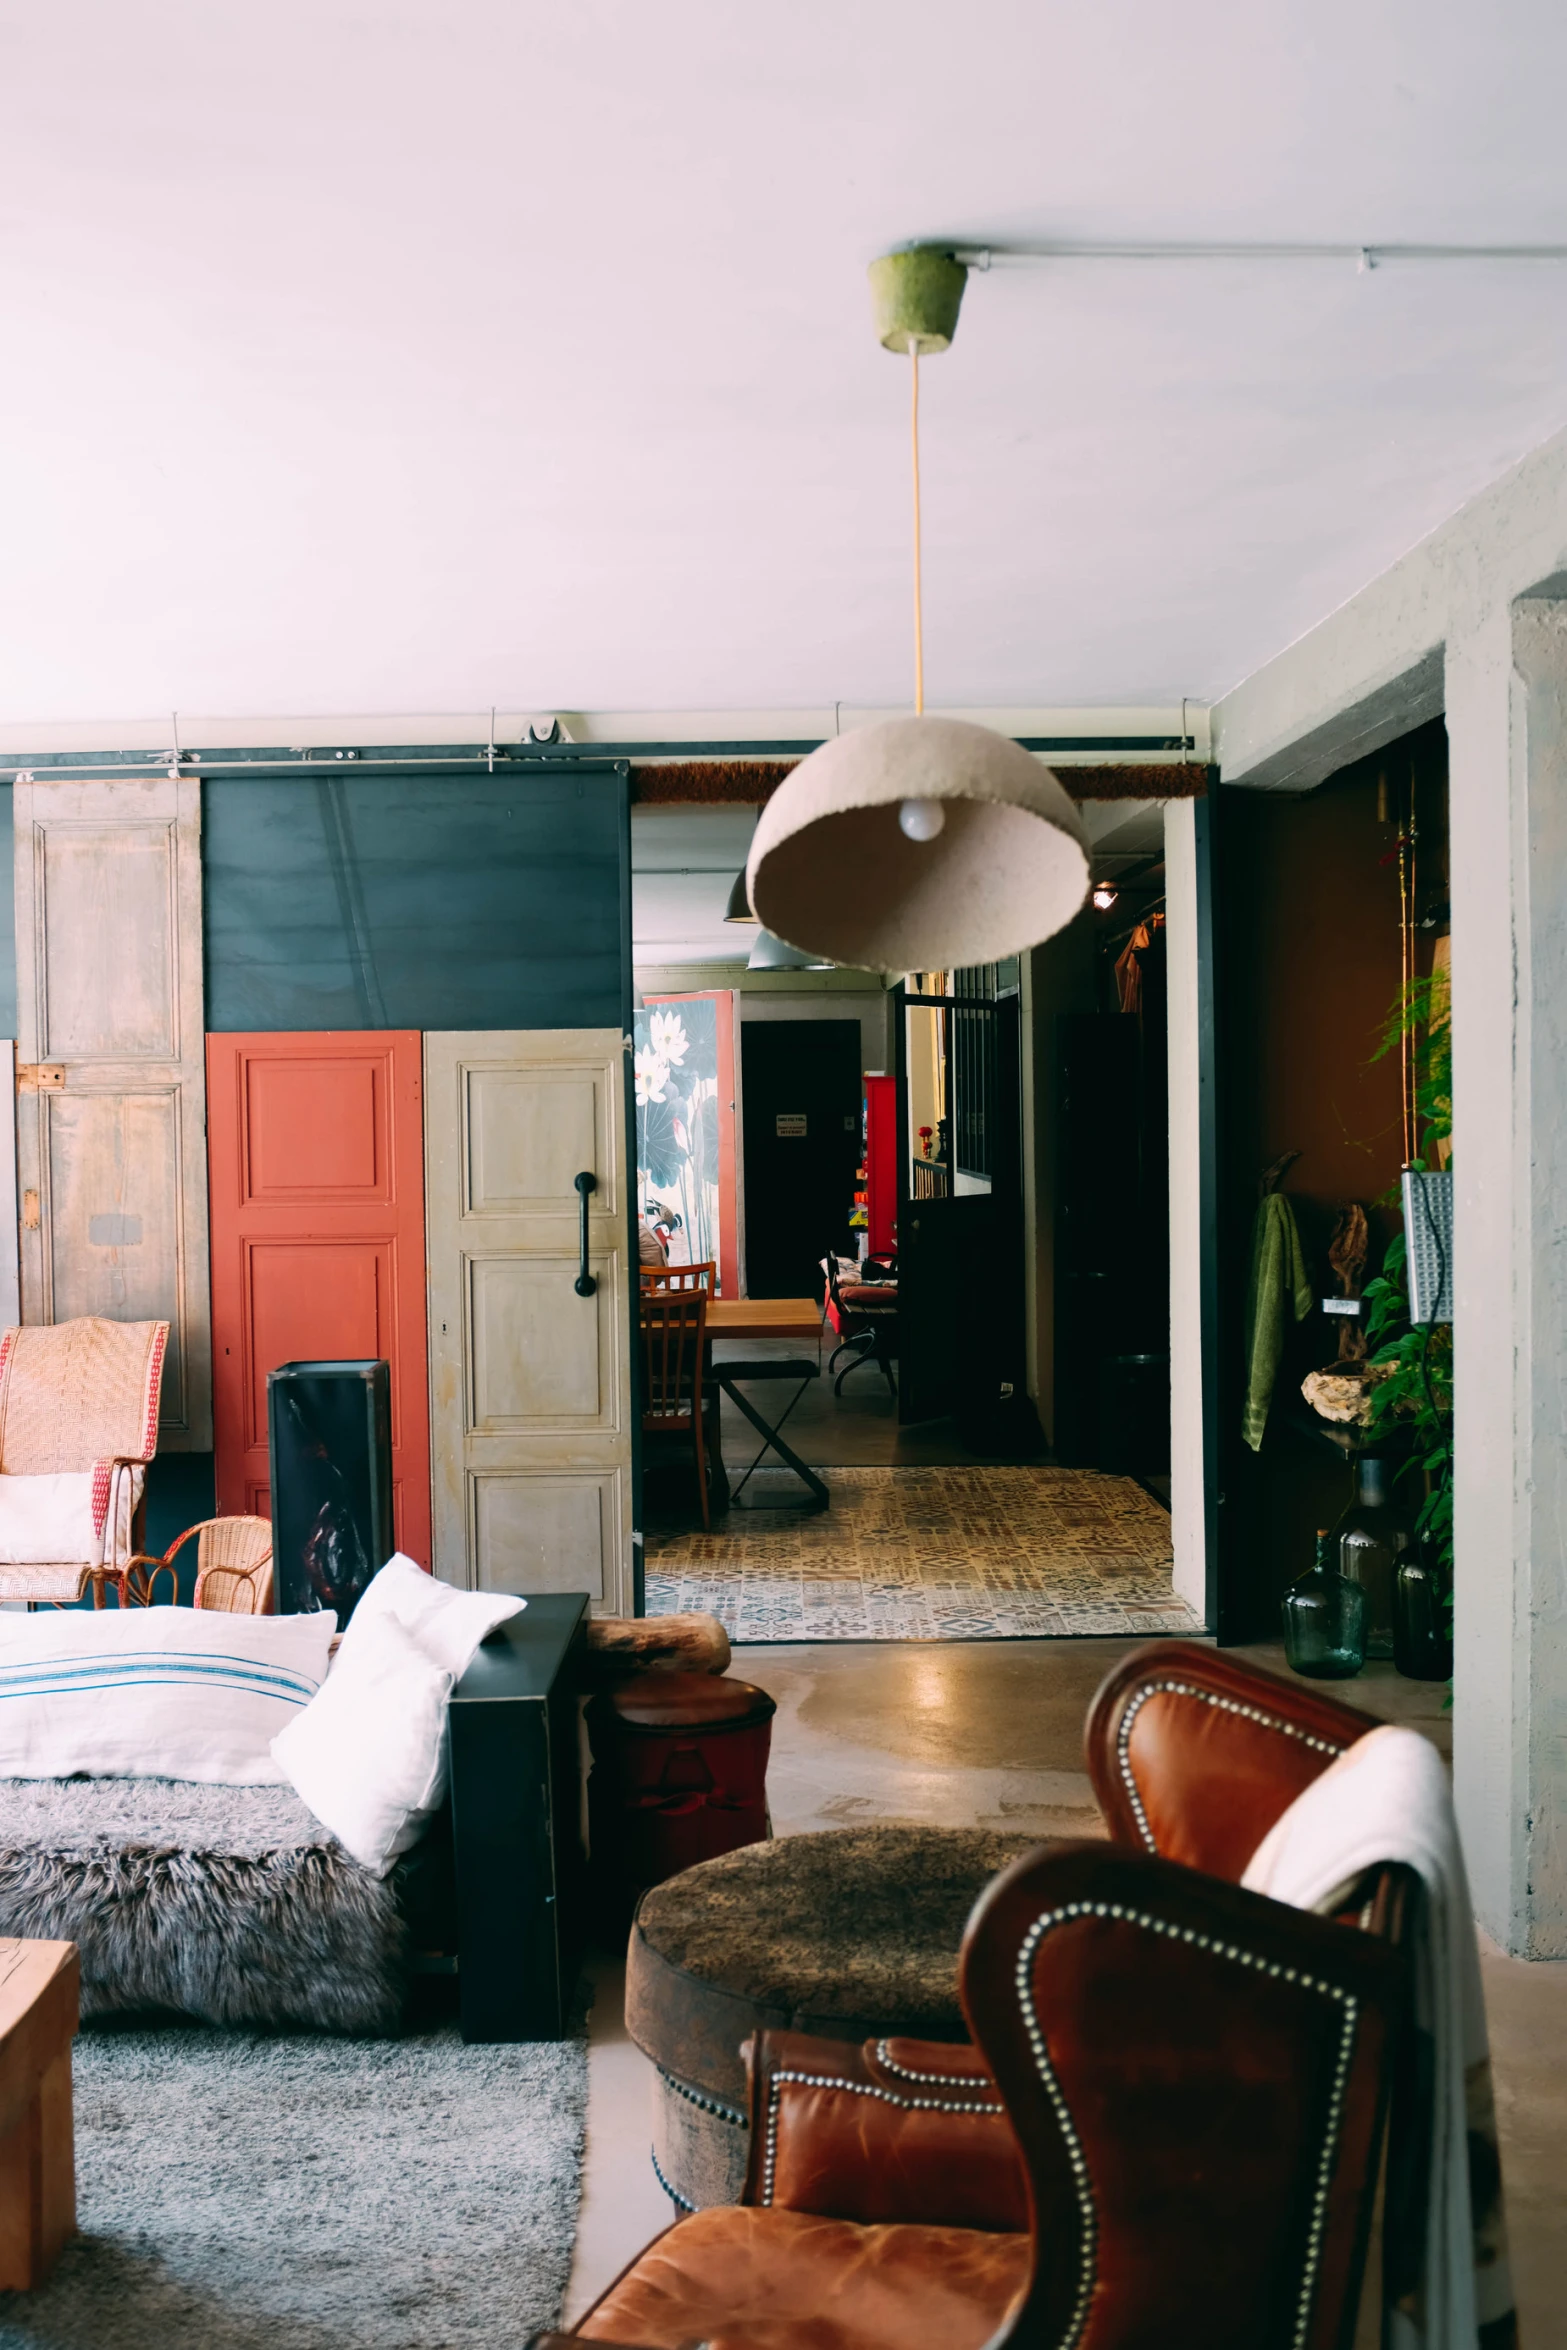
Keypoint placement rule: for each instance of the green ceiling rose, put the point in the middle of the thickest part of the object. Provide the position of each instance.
(916, 297)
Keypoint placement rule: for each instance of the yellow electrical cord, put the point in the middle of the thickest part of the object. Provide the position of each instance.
(919, 620)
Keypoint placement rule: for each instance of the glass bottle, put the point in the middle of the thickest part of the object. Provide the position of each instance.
(1422, 1629)
(1369, 1541)
(1325, 1619)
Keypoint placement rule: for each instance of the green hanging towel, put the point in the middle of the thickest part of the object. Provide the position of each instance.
(1278, 1280)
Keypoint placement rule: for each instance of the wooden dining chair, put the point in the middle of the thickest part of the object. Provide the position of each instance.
(674, 1350)
(661, 1279)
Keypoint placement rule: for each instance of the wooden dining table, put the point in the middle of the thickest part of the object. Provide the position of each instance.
(765, 1318)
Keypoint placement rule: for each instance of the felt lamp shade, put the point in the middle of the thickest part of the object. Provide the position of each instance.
(921, 844)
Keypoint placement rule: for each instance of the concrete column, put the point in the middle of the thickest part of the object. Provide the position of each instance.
(1188, 1501)
(1507, 727)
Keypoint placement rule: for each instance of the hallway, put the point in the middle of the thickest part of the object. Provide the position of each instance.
(923, 1539)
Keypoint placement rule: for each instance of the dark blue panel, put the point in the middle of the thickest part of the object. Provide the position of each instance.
(444, 900)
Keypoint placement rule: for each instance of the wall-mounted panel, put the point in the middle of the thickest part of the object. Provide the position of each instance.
(111, 1099)
(546, 1533)
(449, 898)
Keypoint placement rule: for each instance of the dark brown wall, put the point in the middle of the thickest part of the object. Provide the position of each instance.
(1308, 904)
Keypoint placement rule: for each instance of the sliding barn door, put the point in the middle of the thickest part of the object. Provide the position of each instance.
(530, 1382)
(317, 1153)
(111, 1151)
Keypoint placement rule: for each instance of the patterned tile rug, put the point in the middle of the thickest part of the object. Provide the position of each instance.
(931, 1554)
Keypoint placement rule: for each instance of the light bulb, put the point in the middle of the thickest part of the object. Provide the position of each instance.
(921, 819)
(1104, 897)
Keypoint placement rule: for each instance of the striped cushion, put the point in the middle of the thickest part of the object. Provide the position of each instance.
(160, 1692)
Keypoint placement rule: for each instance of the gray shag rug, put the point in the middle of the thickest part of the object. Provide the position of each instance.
(239, 2193)
(230, 1904)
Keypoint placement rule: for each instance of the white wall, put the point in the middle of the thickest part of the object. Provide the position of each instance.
(1446, 619)
(871, 1011)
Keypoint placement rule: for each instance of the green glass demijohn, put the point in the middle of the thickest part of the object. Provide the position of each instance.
(1422, 1626)
(1368, 1542)
(1325, 1619)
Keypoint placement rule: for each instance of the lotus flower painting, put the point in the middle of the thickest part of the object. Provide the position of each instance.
(675, 1072)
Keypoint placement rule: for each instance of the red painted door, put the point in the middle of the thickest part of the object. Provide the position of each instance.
(315, 1147)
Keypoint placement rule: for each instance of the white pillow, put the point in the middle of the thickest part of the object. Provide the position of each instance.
(447, 1624)
(155, 1693)
(368, 1754)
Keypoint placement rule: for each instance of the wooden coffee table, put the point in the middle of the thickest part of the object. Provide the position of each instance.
(40, 1990)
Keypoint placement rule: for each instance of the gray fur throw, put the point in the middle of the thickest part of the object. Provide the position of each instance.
(230, 1904)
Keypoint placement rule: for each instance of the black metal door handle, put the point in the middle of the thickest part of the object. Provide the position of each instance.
(586, 1185)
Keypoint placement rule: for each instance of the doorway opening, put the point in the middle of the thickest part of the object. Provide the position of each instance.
(921, 1204)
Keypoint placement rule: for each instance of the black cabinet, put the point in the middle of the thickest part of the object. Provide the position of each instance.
(329, 1433)
(517, 1823)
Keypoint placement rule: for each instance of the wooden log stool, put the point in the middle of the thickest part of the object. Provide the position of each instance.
(39, 1997)
(679, 1776)
(852, 1934)
(621, 1645)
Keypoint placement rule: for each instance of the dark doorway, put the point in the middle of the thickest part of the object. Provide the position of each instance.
(800, 1087)
(960, 1221)
(1112, 1242)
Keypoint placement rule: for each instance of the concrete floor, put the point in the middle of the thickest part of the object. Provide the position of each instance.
(953, 1734)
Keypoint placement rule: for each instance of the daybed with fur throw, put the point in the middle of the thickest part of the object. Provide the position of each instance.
(232, 1905)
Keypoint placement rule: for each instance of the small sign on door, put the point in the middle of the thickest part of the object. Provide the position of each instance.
(790, 1122)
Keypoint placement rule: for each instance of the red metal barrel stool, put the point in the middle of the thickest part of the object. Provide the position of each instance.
(679, 1775)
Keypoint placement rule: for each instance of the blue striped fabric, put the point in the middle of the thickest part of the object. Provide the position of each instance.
(70, 1677)
(159, 1692)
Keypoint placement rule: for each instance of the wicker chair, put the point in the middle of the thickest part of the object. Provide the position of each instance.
(78, 1400)
(233, 1568)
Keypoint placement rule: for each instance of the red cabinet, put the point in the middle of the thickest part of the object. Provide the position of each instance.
(881, 1165)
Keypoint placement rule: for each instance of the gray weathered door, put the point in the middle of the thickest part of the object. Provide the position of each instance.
(530, 1383)
(111, 1086)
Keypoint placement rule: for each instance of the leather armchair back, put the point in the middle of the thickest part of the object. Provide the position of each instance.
(1197, 2078)
(1193, 1755)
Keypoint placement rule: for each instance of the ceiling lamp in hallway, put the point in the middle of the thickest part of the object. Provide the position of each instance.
(922, 843)
(771, 954)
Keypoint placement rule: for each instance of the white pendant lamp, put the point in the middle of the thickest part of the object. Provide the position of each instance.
(771, 954)
(923, 843)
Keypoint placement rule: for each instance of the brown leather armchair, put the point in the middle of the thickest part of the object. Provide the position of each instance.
(1169, 2130)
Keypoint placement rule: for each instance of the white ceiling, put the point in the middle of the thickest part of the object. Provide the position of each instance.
(387, 355)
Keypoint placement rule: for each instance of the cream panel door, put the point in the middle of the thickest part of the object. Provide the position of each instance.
(111, 1078)
(530, 1384)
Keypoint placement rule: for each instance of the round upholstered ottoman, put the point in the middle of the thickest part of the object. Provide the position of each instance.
(849, 1934)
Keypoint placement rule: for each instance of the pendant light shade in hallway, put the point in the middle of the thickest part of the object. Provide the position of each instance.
(771, 954)
(922, 843)
(739, 906)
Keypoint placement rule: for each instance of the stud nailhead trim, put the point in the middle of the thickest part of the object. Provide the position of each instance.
(1228, 1705)
(853, 2089)
(673, 2193)
(713, 2105)
(889, 2063)
(1046, 1923)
